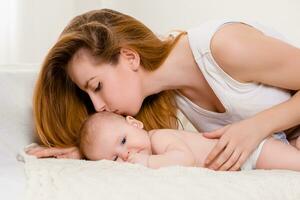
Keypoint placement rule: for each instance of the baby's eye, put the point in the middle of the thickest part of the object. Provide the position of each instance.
(99, 86)
(124, 140)
(116, 158)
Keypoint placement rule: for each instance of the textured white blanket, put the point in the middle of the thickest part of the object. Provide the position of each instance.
(63, 179)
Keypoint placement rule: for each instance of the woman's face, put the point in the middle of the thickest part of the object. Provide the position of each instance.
(113, 88)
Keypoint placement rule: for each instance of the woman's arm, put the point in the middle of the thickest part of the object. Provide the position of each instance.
(250, 56)
(56, 152)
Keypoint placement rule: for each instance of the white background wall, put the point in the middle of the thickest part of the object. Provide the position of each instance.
(29, 27)
(163, 15)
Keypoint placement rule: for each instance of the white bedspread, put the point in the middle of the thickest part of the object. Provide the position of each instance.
(78, 179)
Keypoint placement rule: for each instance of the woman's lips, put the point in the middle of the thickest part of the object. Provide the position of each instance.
(118, 112)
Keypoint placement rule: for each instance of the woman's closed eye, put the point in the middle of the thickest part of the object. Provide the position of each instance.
(99, 87)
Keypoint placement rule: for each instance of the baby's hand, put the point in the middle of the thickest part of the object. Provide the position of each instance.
(138, 158)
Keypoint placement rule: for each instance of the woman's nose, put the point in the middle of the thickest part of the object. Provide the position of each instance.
(98, 103)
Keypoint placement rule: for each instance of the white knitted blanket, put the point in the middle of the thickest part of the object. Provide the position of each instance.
(62, 179)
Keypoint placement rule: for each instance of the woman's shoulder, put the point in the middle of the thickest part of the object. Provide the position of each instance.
(207, 30)
(201, 36)
(230, 47)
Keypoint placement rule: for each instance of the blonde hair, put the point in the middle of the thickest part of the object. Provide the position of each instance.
(60, 106)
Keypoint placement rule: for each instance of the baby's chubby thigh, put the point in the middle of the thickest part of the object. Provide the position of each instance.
(277, 153)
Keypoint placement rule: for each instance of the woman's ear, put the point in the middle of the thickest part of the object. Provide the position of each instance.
(132, 57)
(132, 121)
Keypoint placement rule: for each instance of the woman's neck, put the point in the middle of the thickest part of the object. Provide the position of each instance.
(178, 72)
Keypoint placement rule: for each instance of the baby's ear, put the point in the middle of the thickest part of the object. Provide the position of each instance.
(134, 122)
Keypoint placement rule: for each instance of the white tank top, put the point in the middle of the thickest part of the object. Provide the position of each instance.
(240, 100)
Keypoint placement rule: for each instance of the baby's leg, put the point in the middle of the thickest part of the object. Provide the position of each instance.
(276, 154)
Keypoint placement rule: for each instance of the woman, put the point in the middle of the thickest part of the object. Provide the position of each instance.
(233, 80)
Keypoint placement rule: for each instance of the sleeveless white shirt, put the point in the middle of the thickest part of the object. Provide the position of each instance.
(240, 100)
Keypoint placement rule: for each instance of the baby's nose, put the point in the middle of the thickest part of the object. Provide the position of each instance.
(125, 155)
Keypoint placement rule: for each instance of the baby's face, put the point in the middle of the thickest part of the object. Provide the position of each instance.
(118, 139)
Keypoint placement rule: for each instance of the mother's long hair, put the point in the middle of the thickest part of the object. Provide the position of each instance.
(60, 107)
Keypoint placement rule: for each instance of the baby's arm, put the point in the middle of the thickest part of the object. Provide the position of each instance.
(278, 155)
(169, 149)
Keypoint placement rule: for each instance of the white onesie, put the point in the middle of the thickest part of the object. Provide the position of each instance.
(240, 100)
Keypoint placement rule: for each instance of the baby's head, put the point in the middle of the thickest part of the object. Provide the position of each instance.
(110, 136)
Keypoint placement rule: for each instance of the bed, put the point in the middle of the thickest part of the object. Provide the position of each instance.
(78, 179)
(16, 83)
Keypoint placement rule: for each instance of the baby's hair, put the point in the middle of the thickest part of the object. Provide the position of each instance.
(89, 127)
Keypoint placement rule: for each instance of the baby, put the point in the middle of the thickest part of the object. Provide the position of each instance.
(113, 137)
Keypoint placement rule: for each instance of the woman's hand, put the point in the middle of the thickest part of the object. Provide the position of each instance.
(56, 152)
(237, 142)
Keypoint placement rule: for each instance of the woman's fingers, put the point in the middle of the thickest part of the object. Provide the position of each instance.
(34, 150)
(239, 163)
(213, 134)
(217, 133)
(215, 151)
(233, 159)
(58, 152)
(223, 157)
(46, 151)
(234, 146)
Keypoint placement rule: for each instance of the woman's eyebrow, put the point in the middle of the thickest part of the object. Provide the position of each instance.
(87, 83)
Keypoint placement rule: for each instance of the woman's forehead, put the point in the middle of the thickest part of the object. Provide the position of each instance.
(84, 54)
(83, 65)
(81, 60)
(80, 70)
